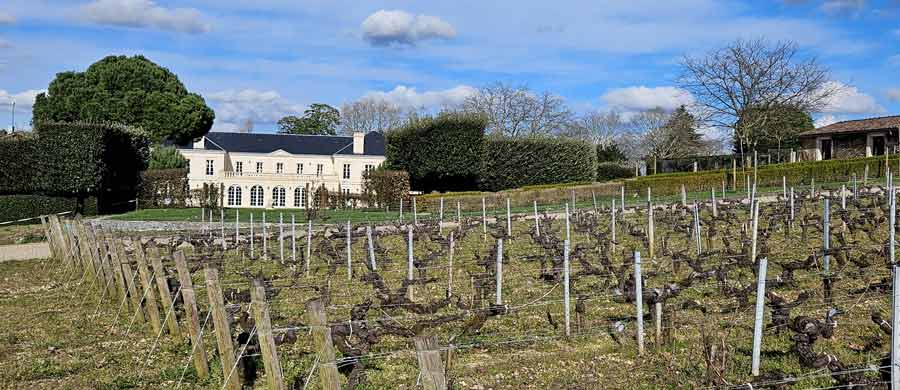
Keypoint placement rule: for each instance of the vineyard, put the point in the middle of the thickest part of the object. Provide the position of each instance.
(651, 295)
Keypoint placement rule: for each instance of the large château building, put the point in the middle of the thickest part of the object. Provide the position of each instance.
(281, 170)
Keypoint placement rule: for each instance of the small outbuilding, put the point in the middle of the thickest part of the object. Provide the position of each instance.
(851, 139)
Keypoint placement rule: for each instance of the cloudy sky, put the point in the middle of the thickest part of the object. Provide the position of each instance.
(262, 59)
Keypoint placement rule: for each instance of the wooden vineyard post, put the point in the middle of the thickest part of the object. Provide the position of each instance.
(116, 265)
(274, 376)
(450, 272)
(223, 331)
(294, 243)
(622, 195)
(321, 333)
(508, 219)
(855, 187)
(409, 253)
(843, 197)
(149, 295)
(441, 218)
(133, 292)
(639, 302)
(567, 223)
(499, 272)
(281, 237)
(537, 220)
(349, 254)
(657, 321)
(594, 199)
(164, 295)
(430, 365)
(826, 235)
(733, 174)
(566, 287)
(612, 223)
(650, 229)
(237, 227)
(458, 216)
(265, 240)
(715, 205)
(573, 200)
(222, 224)
(760, 313)
(193, 318)
(697, 234)
(784, 185)
(483, 217)
(895, 329)
(892, 226)
(415, 213)
(252, 238)
(683, 196)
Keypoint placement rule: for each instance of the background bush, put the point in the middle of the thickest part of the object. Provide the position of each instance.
(516, 162)
(164, 188)
(14, 207)
(166, 157)
(613, 170)
(19, 159)
(441, 154)
(385, 187)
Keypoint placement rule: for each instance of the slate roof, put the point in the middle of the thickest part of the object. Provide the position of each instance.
(326, 145)
(856, 126)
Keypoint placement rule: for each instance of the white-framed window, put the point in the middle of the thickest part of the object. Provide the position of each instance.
(319, 168)
(300, 169)
(346, 192)
(256, 196)
(278, 195)
(234, 195)
(188, 166)
(239, 167)
(369, 168)
(346, 171)
(279, 167)
(300, 198)
(210, 167)
(258, 167)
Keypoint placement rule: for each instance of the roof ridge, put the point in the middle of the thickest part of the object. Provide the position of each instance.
(865, 119)
(284, 134)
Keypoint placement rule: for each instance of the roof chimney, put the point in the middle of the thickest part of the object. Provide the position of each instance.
(200, 143)
(359, 141)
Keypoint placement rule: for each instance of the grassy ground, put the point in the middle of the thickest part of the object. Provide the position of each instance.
(21, 234)
(71, 343)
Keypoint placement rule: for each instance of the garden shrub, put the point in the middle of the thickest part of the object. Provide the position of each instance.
(442, 153)
(164, 188)
(19, 157)
(385, 187)
(613, 170)
(14, 207)
(516, 162)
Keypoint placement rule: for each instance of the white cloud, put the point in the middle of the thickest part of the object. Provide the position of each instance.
(408, 97)
(235, 106)
(849, 100)
(893, 94)
(7, 18)
(24, 100)
(5, 44)
(825, 120)
(385, 28)
(144, 14)
(645, 98)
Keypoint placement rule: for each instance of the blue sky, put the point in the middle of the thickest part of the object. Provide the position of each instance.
(262, 59)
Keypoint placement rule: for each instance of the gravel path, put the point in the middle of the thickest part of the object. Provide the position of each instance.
(38, 250)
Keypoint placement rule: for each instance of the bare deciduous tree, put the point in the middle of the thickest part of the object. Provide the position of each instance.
(650, 135)
(598, 127)
(754, 74)
(519, 111)
(369, 114)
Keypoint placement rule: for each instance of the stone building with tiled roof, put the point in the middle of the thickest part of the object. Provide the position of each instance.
(851, 139)
(281, 170)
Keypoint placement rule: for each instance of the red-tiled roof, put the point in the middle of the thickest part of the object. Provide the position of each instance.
(855, 126)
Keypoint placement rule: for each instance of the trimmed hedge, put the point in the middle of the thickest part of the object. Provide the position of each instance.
(517, 162)
(800, 173)
(164, 188)
(76, 160)
(14, 207)
(442, 153)
(385, 187)
(613, 170)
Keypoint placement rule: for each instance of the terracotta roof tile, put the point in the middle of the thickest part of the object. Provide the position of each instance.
(859, 125)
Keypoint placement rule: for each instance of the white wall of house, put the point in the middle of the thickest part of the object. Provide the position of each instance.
(239, 170)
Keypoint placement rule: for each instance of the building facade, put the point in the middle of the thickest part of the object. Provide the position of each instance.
(281, 170)
(851, 139)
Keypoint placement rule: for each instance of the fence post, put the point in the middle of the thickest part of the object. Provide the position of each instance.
(371, 247)
(573, 199)
(622, 195)
(274, 376)
(697, 234)
(612, 221)
(639, 302)
(683, 196)
(508, 219)
(651, 235)
(252, 238)
(222, 223)
(193, 319)
(895, 329)
(409, 253)
(308, 245)
(458, 216)
(149, 295)
(594, 199)
(133, 292)
(855, 187)
(760, 313)
(733, 174)
(450, 273)
(415, 212)
(294, 243)
(223, 331)
(567, 221)
(843, 196)
(566, 286)
(441, 220)
(866, 175)
(826, 234)
(237, 226)
(401, 209)
(754, 223)
(281, 237)
(892, 226)
(537, 220)
(349, 254)
(657, 322)
(164, 295)
(792, 204)
(483, 217)
(430, 367)
(265, 237)
(499, 272)
(715, 205)
(321, 333)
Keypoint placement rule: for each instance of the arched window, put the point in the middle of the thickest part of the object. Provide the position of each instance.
(234, 195)
(256, 196)
(299, 198)
(278, 196)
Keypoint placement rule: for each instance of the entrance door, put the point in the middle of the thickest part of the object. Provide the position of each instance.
(825, 147)
(878, 146)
